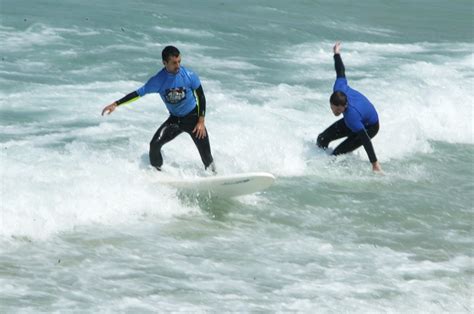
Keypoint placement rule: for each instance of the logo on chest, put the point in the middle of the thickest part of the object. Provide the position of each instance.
(175, 95)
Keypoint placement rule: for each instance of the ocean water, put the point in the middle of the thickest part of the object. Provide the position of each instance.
(85, 227)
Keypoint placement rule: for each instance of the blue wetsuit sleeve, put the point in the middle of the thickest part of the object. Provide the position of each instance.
(152, 86)
(141, 91)
(367, 143)
(341, 85)
(195, 82)
(145, 89)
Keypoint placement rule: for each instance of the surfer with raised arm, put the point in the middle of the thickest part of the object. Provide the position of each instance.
(181, 91)
(360, 120)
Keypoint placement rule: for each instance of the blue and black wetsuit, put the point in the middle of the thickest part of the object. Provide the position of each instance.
(184, 98)
(360, 122)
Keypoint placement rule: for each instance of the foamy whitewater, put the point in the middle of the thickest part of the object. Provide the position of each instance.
(86, 227)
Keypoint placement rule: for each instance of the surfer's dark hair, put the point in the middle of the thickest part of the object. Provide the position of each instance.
(169, 51)
(338, 99)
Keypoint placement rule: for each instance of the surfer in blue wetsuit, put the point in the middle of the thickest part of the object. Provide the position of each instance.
(360, 122)
(181, 91)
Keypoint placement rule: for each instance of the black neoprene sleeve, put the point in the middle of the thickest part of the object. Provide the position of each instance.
(369, 148)
(201, 101)
(340, 70)
(127, 98)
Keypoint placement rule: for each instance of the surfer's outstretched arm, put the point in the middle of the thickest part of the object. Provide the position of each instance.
(126, 99)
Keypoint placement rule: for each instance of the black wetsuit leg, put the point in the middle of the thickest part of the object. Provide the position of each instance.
(171, 128)
(336, 131)
(165, 133)
(354, 141)
(187, 124)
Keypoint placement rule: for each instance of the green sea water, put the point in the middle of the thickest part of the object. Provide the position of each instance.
(85, 227)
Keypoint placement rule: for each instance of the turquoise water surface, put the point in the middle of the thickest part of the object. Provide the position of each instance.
(84, 225)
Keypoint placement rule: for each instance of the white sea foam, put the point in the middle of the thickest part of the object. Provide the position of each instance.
(44, 193)
(37, 35)
(226, 66)
(184, 31)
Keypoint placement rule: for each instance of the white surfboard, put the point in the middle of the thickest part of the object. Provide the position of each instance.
(224, 185)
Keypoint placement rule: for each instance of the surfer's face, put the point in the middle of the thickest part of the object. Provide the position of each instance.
(337, 110)
(172, 65)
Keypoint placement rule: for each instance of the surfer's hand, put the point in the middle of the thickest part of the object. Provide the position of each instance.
(337, 48)
(110, 108)
(376, 167)
(200, 129)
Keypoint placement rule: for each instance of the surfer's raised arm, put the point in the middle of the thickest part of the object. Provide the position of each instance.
(360, 120)
(338, 65)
